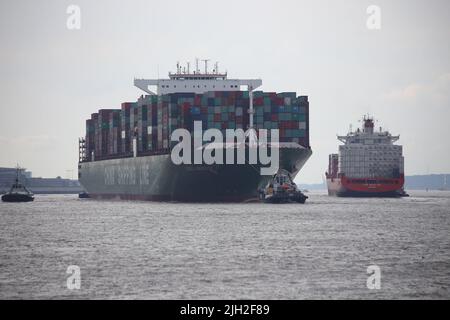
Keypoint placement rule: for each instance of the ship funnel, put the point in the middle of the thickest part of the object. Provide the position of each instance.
(368, 125)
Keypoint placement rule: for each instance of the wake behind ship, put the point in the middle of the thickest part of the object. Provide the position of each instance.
(126, 153)
(369, 164)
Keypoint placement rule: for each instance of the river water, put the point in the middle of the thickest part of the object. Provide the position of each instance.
(148, 250)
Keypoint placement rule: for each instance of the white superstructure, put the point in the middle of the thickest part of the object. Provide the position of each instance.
(197, 82)
(367, 153)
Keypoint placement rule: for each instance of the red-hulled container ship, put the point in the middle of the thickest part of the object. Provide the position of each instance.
(368, 164)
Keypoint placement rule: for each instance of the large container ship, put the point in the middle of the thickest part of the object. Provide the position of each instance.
(126, 153)
(368, 164)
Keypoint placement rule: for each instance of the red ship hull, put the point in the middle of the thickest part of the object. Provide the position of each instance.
(366, 187)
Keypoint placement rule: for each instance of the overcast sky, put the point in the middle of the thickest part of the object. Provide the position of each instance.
(53, 78)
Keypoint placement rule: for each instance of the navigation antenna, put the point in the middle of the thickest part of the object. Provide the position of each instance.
(206, 65)
(216, 67)
(17, 173)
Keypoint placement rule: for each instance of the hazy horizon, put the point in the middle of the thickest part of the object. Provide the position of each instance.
(53, 78)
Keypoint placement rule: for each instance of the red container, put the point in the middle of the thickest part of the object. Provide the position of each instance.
(186, 105)
(231, 101)
(258, 101)
(126, 106)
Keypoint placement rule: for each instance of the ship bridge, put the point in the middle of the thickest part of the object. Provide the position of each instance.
(367, 135)
(186, 81)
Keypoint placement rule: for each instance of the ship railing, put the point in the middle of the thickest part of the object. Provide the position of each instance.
(165, 151)
(128, 155)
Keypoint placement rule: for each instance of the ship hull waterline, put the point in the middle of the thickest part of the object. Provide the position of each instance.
(17, 198)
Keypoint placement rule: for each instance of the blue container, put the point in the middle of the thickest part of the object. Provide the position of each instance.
(195, 110)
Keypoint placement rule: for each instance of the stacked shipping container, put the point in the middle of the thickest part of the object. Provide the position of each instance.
(126, 133)
(377, 160)
(283, 111)
(102, 132)
(333, 165)
(90, 134)
(153, 118)
(114, 131)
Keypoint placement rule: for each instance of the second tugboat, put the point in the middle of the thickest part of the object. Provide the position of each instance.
(282, 189)
(18, 192)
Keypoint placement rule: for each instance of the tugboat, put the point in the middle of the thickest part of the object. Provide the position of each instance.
(282, 189)
(83, 195)
(18, 192)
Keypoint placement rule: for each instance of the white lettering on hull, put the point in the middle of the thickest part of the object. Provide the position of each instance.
(127, 175)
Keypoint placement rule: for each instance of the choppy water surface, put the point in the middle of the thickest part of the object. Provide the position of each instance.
(144, 250)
